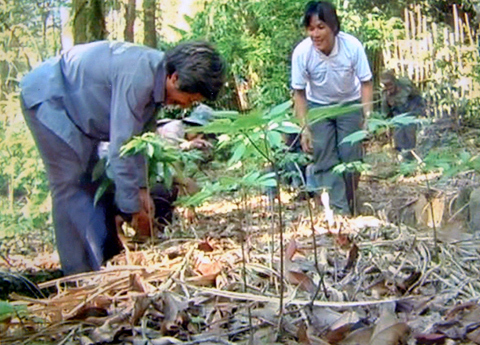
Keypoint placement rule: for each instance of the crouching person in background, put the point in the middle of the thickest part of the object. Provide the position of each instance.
(401, 97)
(175, 133)
(106, 91)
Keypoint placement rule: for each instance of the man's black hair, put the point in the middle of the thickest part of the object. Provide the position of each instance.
(326, 13)
(199, 67)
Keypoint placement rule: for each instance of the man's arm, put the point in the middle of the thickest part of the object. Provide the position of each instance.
(367, 97)
(301, 112)
(366, 89)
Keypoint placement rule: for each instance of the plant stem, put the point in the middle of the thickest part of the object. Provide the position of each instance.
(430, 203)
(149, 199)
(280, 228)
(243, 238)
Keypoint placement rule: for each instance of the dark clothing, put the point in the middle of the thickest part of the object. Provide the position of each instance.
(101, 91)
(405, 100)
(328, 152)
(164, 199)
(85, 233)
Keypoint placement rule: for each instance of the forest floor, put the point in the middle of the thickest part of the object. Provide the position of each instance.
(403, 272)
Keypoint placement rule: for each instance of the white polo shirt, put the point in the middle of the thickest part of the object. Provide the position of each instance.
(334, 78)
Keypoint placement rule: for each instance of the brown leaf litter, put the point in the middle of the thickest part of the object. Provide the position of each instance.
(371, 282)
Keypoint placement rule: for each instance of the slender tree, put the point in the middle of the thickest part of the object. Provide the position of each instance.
(88, 21)
(149, 22)
(79, 8)
(128, 33)
(96, 21)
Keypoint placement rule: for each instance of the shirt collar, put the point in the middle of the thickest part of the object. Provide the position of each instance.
(159, 88)
(334, 51)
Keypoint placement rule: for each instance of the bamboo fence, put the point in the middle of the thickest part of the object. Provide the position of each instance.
(441, 60)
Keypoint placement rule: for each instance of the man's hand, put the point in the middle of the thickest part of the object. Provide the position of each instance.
(196, 143)
(142, 221)
(307, 141)
(146, 201)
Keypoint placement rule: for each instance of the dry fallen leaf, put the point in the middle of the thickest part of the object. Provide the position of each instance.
(321, 318)
(338, 334)
(136, 283)
(290, 250)
(205, 246)
(388, 330)
(474, 336)
(207, 266)
(302, 334)
(140, 306)
(358, 337)
(430, 339)
(352, 257)
(89, 311)
(171, 308)
(303, 280)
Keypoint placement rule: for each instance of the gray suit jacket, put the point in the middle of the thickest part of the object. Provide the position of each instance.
(100, 91)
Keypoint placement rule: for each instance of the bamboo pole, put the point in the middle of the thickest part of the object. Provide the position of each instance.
(469, 30)
(407, 25)
(455, 23)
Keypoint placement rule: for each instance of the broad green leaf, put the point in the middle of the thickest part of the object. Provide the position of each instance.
(267, 180)
(274, 139)
(250, 178)
(226, 114)
(355, 137)
(106, 183)
(280, 109)
(403, 120)
(249, 121)
(287, 127)
(271, 182)
(465, 156)
(99, 169)
(329, 112)
(6, 310)
(149, 150)
(220, 126)
(238, 153)
(374, 124)
(228, 182)
(177, 29)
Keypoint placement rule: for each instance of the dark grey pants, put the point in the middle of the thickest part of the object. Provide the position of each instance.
(85, 233)
(327, 152)
(405, 137)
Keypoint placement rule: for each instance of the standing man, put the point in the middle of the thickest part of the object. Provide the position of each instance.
(330, 67)
(401, 97)
(106, 91)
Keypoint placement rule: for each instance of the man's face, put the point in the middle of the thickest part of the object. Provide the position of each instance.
(388, 86)
(322, 36)
(173, 96)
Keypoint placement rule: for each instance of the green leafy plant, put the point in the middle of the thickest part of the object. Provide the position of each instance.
(163, 161)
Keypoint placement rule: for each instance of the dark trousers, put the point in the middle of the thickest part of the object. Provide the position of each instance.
(85, 233)
(328, 152)
(405, 137)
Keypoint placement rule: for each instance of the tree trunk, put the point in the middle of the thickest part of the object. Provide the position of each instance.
(150, 32)
(96, 22)
(129, 21)
(88, 21)
(79, 8)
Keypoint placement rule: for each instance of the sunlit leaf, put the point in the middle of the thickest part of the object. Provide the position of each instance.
(329, 112)
(238, 153)
(274, 139)
(280, 109)
(355, 137)
(104, 185)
